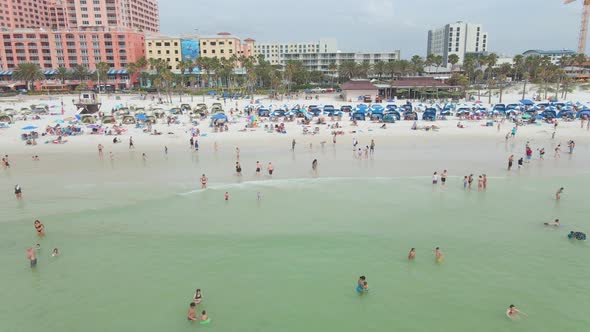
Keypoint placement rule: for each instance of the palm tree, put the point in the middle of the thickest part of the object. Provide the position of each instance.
(438, 61)
(453, 60)
(430, 60)
(333, 68)
(417, 64)
(79, 73)
(62, 74)
(29, 73)
(517, 66)
(379, 68)
(491, 60)
(364, 69)
(348, 69)
(391, 68)
(102, 70)
(291, 69)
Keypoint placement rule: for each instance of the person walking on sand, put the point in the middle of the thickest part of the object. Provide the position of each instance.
(558, 194)
(372, 146)
(557, 151)
(270, 169)
(510, 161)
(204, 182)
(314, 166)
(293, 145)
(31, 256)
(520, 162)
(237, 153)
(100, 153)
(131, 145)
(542, 154)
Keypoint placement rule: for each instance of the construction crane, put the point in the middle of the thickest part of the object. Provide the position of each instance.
(584, 26)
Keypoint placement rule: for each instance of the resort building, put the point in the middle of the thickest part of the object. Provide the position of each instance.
(554, 55)
(274, 52)
(66, 33)
(224, 45)
(457, 38)
(168, 49)
(323, 61)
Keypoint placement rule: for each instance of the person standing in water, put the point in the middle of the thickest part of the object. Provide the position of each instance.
(435, 178)
(510, 161)
(192, 314)
(204, 182)
(39, 227)
(558, 194)
(18, 192)
(226, 196)
(238, 168)
(198, 297)
(412, 254)
(554, 223)
(31, 256)
(470, 181)
(485, 182)
(465, 181)
(443, 177)
(258, 168)
(438, 255)
(270, 169)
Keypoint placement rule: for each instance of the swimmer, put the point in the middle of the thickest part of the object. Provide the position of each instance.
(192, 315)
(198, 297)
(438, 255)
(512, 312)
(412, 254)
(238, 168)
(31, 257)
(259, 196)
(465, 180)
(270, 169)
(360, 284)
(558, 194)
(204, 182)
(37, 247)
(365, 286)
(204, 317)
(226, 196)
(443, 177)
(39, 227)
(55, 252)
(555, 223)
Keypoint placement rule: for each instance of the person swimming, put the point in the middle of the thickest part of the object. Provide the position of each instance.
(55, 252)
(205, 318)
(412, 254)
(39, 227)
(555, 223)
(513, 313)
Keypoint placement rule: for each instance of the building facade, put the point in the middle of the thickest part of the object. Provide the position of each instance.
(140, 15)
(168, 49)
(274, 52)
(457, 38)
(554, 55)
(224, 45)
(54, 49)
(322, 61)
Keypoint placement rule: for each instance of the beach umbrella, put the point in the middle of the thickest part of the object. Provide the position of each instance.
(93, 126)
(527, 102)
(526, 116)
(142, 117)
(59, 121)
(29, 128)
(218, 116)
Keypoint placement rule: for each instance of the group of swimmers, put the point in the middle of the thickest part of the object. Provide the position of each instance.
(439, 257)
(32, 252)
(192, 311)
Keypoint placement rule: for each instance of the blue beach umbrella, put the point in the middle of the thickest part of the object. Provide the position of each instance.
(30, 128)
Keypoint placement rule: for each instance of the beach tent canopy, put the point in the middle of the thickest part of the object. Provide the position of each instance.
(527, 102)
(142, 117)
(29, 128)
(219, 116)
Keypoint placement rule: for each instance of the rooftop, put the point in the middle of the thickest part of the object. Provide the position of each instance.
(359, 85)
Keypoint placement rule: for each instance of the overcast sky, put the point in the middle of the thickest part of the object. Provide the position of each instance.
(379, 25)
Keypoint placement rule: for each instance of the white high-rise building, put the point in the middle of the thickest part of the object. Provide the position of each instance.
(457, 38)
(275, 52)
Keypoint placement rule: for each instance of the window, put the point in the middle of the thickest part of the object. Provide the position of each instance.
(167, 51)
(213, 43)
(158, 44)
(222, 51)
(204, 51)
(213, 51)
(167, 44)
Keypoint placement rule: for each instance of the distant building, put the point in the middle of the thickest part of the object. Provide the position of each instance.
(322, 61)
(554, 55)
(274, 52)
(457, 38)
(224, 45)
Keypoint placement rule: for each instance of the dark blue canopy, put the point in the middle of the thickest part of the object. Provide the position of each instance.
(527, 102)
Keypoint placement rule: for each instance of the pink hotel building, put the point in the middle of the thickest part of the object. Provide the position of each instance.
(64, 33)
